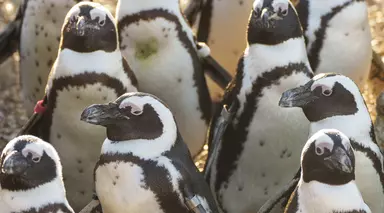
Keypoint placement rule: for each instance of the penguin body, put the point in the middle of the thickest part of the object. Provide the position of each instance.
(144, 164)
(275, 59)
(89, 69)
(31, 178)
(331, 30)
(160, 47)
(226, 39)
(379, 123)
(327, 182)
(334, 101)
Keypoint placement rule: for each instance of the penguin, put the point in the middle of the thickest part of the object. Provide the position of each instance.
(31, 178)
(144, 164)
(35, 33)
(327, 183)
(379, 123)
(89, 69)
(334, 101)
(331, 29)
(274, 61)
(163, 53)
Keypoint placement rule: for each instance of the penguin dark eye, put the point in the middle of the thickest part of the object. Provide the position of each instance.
(256, 12)
(284, 12)
(319, 151)
(36, 159)
(101, 23)
(327, 92)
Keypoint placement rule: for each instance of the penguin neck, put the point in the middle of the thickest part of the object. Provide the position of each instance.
(262, 58)
(357, 126)
(319, 197)
(45, 194)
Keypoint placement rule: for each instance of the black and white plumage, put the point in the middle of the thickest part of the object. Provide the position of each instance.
(35, 33)
(160, 47)
(379, 123)
(260, 150)
(89, 69)
(331, 31)
(334, 101)
(144, 164)
(31, 178)
(327, 182)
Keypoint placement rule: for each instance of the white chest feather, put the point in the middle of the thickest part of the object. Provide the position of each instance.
(316, 197)
(39, 42)
(165, 68)
(340, 51)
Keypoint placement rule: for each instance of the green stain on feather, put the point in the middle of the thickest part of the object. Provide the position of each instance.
(144, 50)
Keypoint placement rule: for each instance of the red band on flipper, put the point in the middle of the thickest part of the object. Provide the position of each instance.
(39, 108)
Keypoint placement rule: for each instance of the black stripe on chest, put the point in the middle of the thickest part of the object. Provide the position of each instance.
(80, 80)
(156, 178)
(373, 157)
(52, 208)
(235, 136)
(317, 45)
(198, 75)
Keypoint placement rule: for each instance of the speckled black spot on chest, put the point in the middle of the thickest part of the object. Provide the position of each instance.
(341, 102)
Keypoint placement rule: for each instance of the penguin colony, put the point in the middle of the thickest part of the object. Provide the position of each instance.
(126, 107)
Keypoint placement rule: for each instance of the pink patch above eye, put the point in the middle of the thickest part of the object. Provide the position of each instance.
(39, 107)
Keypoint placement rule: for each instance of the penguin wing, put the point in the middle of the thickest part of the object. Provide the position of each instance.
(10, 36)
(34, 122)
(211, 67)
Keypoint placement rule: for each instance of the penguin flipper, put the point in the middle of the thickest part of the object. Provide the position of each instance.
(93, 207)
(10, 35)
(211, 67)
(285, 193)
(33, 123)
(192, 10)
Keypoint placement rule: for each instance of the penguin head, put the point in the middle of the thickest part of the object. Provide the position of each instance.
(133, 116)
(273, 22)
(380, 104)
(28, 162)
(328, 157)
(89, 27)
(325, 96)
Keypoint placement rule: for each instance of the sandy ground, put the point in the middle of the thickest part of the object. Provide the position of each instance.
(12, 114)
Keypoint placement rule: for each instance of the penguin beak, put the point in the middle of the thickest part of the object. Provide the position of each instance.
(14, 164)
(84, 24)
(265, 15)
(339, 160)
(297, 97)
(100, 114)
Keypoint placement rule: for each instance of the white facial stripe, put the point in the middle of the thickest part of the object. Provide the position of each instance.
(280, 4)
(324, 142)
(98, 12)
(257, 4)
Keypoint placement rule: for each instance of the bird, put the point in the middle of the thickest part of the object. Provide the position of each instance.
(331, 29)
(260, 148)
(89, 69)
(35, 34)
(31, 178)
(327, 182)
(144, 165)
(379, 122)
(334, 101)
(160, 47)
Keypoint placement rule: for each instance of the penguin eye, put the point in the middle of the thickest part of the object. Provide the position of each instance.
(327, 92)
(319, 151)
(137, 112)
(36, 159)
(102, 22)
(283, 12)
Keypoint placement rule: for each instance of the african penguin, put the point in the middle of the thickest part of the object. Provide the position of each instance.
(331, 29)
(379, 123)
(89, 69)
(262, 132)
(334, 101)
(144, 164)
(160, 47)
(31, 178)
(327, 183)
(226, 39)
(36, 34)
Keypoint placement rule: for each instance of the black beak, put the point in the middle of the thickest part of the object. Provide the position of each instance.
(82, 25)
(265, 15)
(340, 161)
(14, 164)
(100, 114)
(297, 97)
